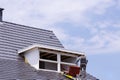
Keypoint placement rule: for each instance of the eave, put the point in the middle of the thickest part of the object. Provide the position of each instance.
(40, 46)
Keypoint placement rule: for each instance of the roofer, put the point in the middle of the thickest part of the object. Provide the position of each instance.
(82, 63)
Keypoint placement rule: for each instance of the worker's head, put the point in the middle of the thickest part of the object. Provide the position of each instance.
(83, 56)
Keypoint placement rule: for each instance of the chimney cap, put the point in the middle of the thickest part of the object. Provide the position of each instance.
(1, 9)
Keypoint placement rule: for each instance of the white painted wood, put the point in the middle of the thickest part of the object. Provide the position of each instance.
(50, 48)
(59, 61)
(32, 57)
(70, 64)
(48, 60)
(55, 52)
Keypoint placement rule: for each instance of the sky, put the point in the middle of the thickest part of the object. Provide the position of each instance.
(90, 26)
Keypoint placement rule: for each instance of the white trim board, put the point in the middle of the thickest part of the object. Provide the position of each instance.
(50, 48)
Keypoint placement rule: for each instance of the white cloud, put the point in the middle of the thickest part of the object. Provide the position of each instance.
(103, 40)
(52, 11)
(99, 44)
(101, 8)
(46, 13)
(110, 44)
(60, 33)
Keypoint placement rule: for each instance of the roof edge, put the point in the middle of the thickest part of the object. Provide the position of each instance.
(51, 48)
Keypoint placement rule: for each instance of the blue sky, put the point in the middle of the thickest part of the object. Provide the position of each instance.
(90, 26)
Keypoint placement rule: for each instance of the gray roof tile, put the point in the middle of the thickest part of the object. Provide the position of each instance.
(14, 37)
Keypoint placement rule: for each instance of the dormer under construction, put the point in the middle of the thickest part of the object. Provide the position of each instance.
(49, 58)
(28, 53)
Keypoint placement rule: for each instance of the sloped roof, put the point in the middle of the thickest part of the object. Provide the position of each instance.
(14, 37)
(14, 69)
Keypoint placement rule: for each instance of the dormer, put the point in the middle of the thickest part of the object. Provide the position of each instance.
(49, 58)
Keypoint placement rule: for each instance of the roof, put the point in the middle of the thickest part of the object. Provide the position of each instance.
(63, 50)
(14, 69)
(14, 37)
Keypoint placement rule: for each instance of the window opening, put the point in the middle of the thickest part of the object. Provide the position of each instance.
(48, 61)
(48, 65)
(48, 56)
(68, 59)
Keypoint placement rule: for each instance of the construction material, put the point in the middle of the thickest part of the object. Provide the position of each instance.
(72, 73)
(73, 70)
(68, 76)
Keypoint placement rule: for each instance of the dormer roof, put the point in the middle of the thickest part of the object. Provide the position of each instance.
(57, 49)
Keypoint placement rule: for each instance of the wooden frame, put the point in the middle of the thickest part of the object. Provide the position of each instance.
(58, 62)
(54, 50)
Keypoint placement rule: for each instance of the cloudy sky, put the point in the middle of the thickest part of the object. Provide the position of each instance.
(90, 26)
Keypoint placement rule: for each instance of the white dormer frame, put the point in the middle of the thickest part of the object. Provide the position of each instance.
(35, 50)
